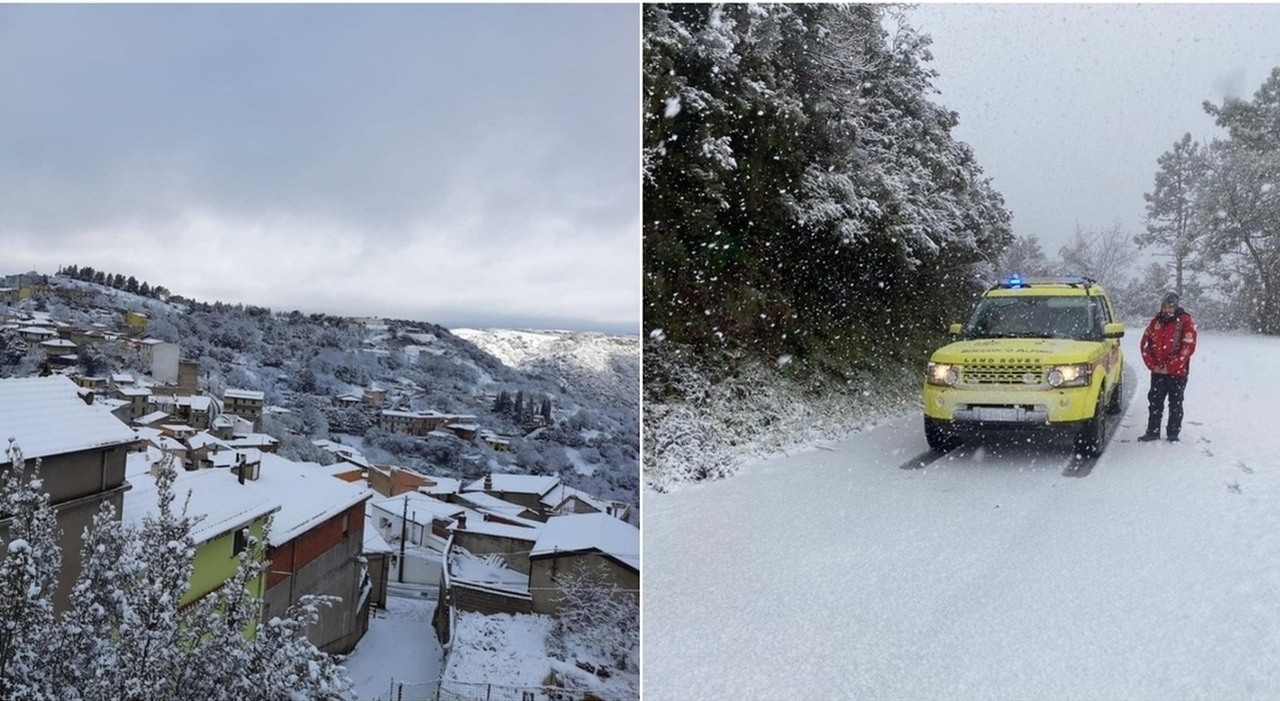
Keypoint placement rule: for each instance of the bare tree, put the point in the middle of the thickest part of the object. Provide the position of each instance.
(1106, 255)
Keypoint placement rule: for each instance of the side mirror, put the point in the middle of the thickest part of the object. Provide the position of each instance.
(955, 329)
(1113, 330)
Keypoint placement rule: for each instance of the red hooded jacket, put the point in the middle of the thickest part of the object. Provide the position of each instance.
(1168, 344)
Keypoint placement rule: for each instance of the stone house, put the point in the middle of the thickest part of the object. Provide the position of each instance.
(525, 490)
(593, 542)
(247, 404)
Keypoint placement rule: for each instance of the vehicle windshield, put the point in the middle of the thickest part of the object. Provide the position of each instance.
(1075, 317)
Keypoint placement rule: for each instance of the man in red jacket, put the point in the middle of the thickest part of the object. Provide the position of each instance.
(1167, 345)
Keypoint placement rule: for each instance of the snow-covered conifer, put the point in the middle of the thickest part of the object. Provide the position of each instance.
(28, 581)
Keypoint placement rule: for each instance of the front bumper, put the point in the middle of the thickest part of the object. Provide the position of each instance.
(994, 409)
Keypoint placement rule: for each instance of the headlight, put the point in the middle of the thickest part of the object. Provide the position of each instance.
(1068, 375)
(942, 374)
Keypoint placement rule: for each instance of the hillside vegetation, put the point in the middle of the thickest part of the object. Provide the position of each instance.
(304, 362)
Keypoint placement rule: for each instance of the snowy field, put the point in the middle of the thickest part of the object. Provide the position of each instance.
(849, 571)
(400, 644)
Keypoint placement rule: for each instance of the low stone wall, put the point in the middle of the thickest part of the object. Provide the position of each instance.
(489, 601)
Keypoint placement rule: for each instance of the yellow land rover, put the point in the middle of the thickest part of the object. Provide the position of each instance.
(1036, 355)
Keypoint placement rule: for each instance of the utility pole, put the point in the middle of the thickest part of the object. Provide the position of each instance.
(404, 528)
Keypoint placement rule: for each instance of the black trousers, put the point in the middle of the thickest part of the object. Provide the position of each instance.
(1163, 385)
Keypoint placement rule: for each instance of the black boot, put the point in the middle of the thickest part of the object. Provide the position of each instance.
(1173, 438)
(1153, 426)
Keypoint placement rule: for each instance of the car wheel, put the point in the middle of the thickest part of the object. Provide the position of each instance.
(1113, 404)
(1091, 437)
(940, 439)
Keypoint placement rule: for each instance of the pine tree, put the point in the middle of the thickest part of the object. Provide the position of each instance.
(502, 403)
(1238, 205)
(1171, 205)
(1025, 257)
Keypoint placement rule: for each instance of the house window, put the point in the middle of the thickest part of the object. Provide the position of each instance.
(241, 542)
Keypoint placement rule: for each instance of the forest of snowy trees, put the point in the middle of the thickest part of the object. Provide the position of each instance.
(803, 196)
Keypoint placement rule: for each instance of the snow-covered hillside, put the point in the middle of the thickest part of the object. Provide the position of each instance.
(590, 364)
(857, 570)
(315, 370)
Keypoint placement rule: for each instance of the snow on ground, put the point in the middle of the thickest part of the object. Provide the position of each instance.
(513, 348)
(848, 571)
(400, 644)
(510, 651)
(504, 649)
(580, 465)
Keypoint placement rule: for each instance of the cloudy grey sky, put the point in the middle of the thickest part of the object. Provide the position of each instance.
(1068, 106)
(467, 165)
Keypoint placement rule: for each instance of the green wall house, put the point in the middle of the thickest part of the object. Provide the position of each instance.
(224, 507)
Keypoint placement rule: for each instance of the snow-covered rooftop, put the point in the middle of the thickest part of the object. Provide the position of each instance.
(153, 417)
(307, 494)
(557, 496)
(588, 532)
(243, 394)
(443, 485)
(197, 403)
(217, 499)
(515, 484)
(252, 440)
(230, 458)
(204, 438)
(420, 507)
(47, 417)
(485, 502)
(476, 523)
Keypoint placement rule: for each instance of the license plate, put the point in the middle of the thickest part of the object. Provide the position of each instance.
(988, 413)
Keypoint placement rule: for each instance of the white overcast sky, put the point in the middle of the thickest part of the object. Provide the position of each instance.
(465, 165)
(1068, 107)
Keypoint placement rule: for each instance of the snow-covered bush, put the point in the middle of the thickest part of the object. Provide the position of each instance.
(124, 635)
(697, 428)
(597, 623)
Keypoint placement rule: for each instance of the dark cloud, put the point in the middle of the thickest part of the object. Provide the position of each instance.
(376, 120)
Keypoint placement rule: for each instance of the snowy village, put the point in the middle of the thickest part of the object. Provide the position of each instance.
(504, 584)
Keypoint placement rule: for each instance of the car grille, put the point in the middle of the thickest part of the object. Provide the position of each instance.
(1003, 374)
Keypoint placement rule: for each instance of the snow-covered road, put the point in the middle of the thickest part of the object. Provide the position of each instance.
(989, 573)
